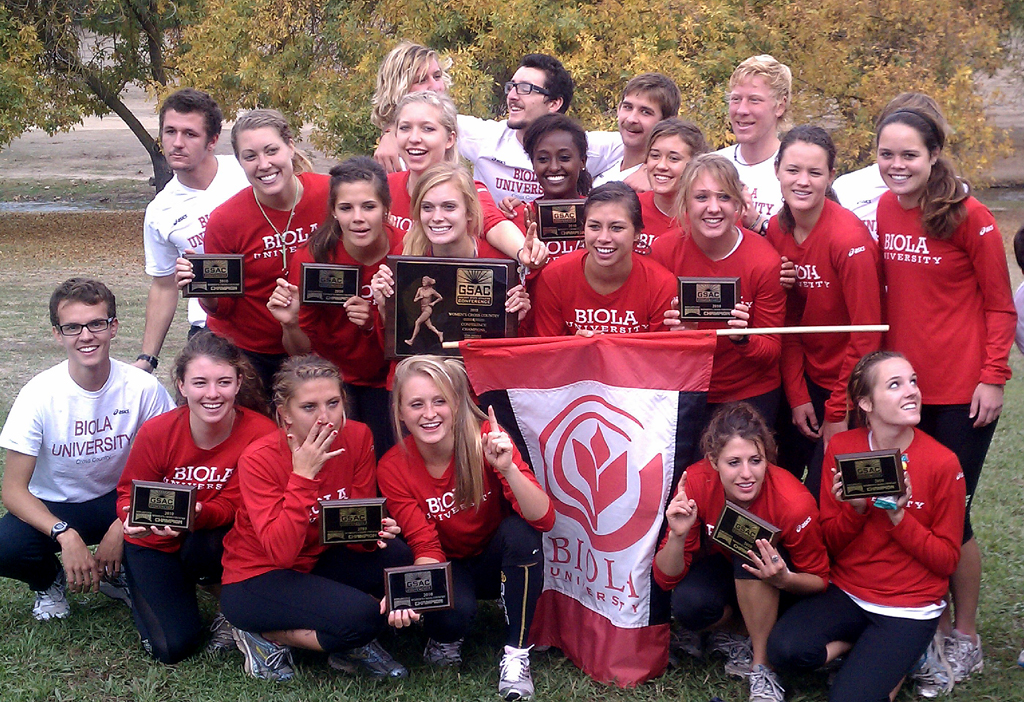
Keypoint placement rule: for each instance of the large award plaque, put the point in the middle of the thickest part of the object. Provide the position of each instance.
(704, 299)
(446, 299)
(738, 530)
(871, 473)
(351, 521)
(328, 283)
(162, 505)
(419, 587)
(558, 220)
(216, 275)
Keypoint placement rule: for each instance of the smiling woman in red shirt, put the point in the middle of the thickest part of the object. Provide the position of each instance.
(462, 493)
(891, 559)
(197, 444)
(950, 311)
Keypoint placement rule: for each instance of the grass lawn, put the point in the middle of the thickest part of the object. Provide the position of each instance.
(95, 654)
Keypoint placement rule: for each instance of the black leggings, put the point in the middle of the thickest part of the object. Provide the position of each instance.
(163, 587)
(30, 556)
(952, 427)
(799, 455)
(372, 407)
(885, 649)
(510, 568)
(339, 599)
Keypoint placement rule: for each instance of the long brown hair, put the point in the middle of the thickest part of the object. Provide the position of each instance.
(815, 136)
(358, 169)
(209, 345)
(449, 375)
(942, 204)
(862, 382)
(732, 420)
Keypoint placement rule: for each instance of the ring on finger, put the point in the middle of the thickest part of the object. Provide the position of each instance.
(775, 559)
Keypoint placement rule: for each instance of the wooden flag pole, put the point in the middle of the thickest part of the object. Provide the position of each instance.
(834, 329)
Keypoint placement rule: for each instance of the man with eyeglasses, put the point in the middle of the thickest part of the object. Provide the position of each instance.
(67, 439)
(540, 86)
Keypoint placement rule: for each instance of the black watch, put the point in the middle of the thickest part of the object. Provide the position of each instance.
(58, 529)
(153, 361)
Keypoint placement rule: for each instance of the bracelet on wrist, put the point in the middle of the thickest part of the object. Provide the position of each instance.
(153, 361)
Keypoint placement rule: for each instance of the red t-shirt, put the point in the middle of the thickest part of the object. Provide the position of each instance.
(400, 216)
(277, 526)
(740, 370)
(564, 302)
(239, 227)
(656, 224)
(897, 566)
(837, 283)
(783, 502)
(949, 304)
(164, 451)
(432, 523)
(359, 353)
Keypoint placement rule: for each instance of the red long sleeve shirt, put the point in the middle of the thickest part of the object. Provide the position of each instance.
(359, 353)
(783, 502)
(897, 566)
(740, 370)
(837, 283)
(564, 302)
(277, 526)
(164, 452)
(239, 227)
(656, 224)
(432, 523)
(949, 304)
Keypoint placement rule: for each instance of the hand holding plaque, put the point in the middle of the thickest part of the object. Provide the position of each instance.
(419, 587)
(328, 284)
(162, 505)
(351, 521)
(215, 275)
(738, 531)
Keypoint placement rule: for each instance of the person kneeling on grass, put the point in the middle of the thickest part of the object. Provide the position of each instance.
(462, 493)
(67, 439)
(282, 587)
(891, 558)
(197, 445)
(738, 448)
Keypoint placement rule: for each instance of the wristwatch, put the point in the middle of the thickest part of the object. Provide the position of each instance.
(58, 529)
(151, 360)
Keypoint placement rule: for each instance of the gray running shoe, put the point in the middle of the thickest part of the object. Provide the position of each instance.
(116, 588)
(52, 603)
(765, 686)
(372, 658)
(933, 676)
(222, 635)
(514, 679)
(736, 649)
(686, 641)
(264, 659)
(963, 654)
(443, 654)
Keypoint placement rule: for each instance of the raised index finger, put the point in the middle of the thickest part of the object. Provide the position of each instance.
(492, 419)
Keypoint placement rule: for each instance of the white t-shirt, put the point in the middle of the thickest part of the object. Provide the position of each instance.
(616, 173)
(760, 180)
(1018, 302)
(81, 439)
(176, 220)
(500, 161)
(859, 192)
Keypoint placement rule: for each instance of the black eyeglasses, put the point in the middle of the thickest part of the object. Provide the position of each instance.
(525, 88)
(95, 326)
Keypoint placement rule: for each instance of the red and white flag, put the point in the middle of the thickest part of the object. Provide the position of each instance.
(608, 424)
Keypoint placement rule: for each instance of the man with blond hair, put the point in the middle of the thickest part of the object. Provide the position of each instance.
(759, 94)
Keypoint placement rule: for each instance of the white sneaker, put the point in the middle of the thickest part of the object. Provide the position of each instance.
(515, 681)
(765, 686)
(933, 675)
(963, 654)
(443, 654)
(737, 650)
(52, 603)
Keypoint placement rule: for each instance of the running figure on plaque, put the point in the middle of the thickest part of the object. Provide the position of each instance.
(427, 296)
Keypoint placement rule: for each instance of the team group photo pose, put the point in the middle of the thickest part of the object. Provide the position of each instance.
(339, 482)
